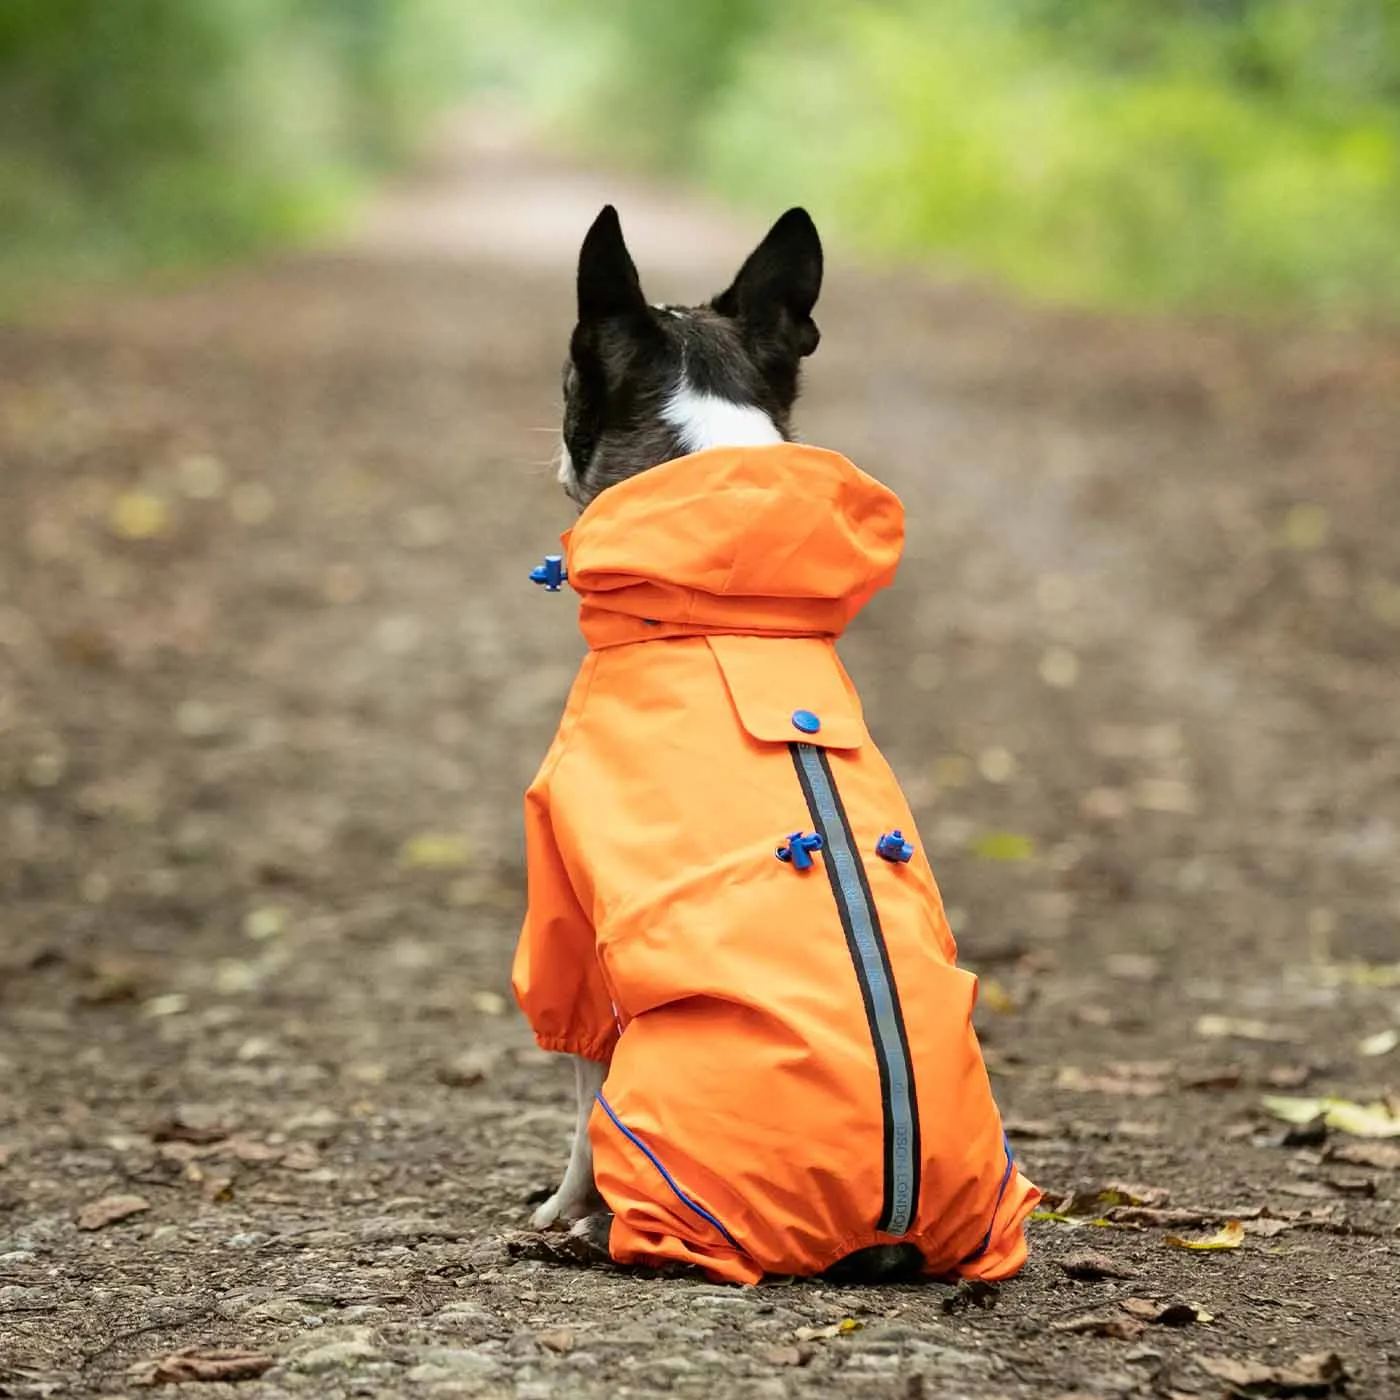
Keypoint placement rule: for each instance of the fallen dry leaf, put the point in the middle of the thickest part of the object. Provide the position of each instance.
(1229, 1236)
(1319, 1373)
(1164, 1314)
(1090, 1268)
(1133, 967)
(557, 1339)
(1266, 1227)
(1307, 527)
(1100, 1200)
(435, 850)
(1288, 1076)
(1175, 1218)
(1121, 1329)
(1002, 846)
(98, 1214)
(1369, 1120)
(468, 1069)
(488, 1003)
(300, 1158)
(1382, 1043)
(1308, 1190)
(266, 921)
(138, 515)
(199, 1364)
(1070, 1077)
(1384, 1155)
(993, 996)
(250, 1150)
(1236, 1028)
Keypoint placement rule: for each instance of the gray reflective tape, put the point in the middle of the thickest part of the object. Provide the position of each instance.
(888, 1031)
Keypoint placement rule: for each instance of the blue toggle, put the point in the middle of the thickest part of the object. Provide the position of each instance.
(797, 850)
(893, 847)
(551, 573)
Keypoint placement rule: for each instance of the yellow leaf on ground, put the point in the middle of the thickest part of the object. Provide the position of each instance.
(1382, 1043)
(137, 515)
(435, 850)
(1236, 1028)
(1370, 1120)
(1003, 845)
(994, 996)
(834, 1329)
(1229, 1236)
(1307, 526)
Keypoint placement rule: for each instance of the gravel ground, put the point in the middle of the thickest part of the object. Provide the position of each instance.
(272, 681)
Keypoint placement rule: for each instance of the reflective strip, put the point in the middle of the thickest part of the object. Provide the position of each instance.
(861, 923)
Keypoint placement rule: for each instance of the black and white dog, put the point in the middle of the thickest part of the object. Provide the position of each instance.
(644, 385)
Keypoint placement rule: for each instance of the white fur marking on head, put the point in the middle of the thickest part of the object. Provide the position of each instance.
(703, 421)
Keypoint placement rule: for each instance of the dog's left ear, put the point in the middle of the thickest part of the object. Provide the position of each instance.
(777, 287)
(608, 285)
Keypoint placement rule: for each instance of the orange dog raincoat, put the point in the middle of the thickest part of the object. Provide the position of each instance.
(724, 904)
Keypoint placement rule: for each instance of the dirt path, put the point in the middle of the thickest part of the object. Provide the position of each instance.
(272, 681)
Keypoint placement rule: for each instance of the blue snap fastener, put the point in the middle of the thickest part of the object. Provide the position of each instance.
(551, 573)
(806, 721)
(893, 847)
(797, 849)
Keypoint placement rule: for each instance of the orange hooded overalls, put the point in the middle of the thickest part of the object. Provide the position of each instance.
(793, 1074)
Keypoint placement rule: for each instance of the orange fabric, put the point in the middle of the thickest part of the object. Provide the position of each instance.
(745, 1122)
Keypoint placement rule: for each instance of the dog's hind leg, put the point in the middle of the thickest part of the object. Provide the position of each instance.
(577, 1196)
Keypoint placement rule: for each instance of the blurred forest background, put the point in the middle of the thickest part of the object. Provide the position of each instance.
(1236, 155)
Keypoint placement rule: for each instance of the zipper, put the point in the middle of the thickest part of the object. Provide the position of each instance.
(861, 923)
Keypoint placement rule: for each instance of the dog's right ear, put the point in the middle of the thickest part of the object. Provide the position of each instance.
(777, 287)
(608, 285)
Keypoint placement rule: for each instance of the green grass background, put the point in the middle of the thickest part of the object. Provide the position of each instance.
(1218, 155)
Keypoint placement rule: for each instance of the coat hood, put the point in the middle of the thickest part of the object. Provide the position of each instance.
(786, 540)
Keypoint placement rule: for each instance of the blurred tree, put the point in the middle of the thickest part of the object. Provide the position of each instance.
(1219, 153)
(156, 129)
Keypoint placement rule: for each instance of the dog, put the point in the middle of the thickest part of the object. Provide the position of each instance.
(718, 559)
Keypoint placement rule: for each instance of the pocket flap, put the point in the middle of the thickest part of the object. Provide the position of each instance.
(770, 679)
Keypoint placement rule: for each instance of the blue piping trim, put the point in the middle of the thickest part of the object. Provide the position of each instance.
(996, 1209)
(665, 1175)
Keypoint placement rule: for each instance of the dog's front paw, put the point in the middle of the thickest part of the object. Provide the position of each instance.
(564, 1207)
(546, 1216)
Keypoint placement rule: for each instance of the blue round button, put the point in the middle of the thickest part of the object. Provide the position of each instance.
(806, 721)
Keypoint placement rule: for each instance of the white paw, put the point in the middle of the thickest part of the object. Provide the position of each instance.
(563, 1208)
(546, 1215)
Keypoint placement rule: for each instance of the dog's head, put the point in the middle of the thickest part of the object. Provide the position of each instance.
(644, 384)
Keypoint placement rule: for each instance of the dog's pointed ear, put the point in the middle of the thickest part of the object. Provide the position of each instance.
(778, 285)
(608, 285)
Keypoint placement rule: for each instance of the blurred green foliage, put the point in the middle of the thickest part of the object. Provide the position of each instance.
(141, 132)
(1218, 154)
